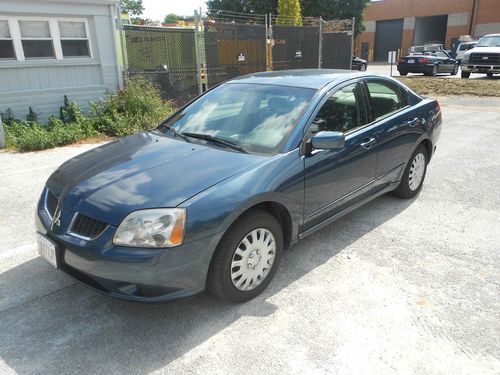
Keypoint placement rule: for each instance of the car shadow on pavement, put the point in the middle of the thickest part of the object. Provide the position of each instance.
(73, 329)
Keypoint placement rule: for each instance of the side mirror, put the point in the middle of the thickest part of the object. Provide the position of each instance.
(328, 140)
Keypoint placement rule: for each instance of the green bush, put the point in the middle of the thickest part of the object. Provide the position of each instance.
(137, 108)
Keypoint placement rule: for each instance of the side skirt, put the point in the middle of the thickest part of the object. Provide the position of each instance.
(338, 215)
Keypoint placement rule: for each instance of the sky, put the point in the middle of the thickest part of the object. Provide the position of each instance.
(158, 9)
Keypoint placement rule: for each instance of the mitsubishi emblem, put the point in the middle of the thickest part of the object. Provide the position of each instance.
(57, 219)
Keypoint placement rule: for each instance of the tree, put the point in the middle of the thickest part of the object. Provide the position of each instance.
(336, 9)
(132, 7)
(243, 6)
(171, 18)
(289, 12)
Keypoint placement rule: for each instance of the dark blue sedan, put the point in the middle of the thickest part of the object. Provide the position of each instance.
(211, 197)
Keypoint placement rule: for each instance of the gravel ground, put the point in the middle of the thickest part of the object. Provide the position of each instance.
(394, 287)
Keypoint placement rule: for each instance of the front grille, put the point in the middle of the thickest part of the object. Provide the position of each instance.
(87, 227)
(485, 58)
(51, 203)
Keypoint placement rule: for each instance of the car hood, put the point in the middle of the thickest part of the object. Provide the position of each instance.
(483, 50)
(145, 170)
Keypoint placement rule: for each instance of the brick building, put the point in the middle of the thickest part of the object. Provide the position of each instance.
(393, 25)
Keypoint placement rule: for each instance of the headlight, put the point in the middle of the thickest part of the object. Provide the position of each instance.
(466, 58)
(159, 227)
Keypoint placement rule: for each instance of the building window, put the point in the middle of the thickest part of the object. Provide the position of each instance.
(33, 38)
(36, 39)
(6, 44)
(74, 39)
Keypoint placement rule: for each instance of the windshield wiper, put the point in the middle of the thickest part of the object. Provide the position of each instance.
(174, 132)
(211, 138)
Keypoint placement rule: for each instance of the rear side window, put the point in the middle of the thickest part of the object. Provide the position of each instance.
(342, 112)
(385, 97)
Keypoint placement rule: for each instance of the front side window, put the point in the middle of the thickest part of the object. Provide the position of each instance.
(385, 98)
(6, 44)
(257, 118)
(74, 40)
(442, 54)
(342, 112)
(36, 39)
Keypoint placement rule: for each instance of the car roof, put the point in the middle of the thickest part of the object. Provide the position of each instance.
(305, 78)
(492, 35)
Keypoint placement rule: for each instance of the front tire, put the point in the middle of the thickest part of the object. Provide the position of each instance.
(246, 258)
(414, 174)
(362, 68)
(465, 75)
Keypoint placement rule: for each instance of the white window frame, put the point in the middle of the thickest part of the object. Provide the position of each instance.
(55, 37)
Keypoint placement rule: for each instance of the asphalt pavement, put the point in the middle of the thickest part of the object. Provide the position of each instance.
(396, 287)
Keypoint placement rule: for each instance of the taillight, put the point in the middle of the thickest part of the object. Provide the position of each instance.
(424, 61)
(401, 61)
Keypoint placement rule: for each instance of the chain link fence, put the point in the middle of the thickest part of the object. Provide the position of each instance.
(166, 57)
(183, 62)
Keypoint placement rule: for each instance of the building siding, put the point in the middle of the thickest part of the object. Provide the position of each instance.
(42, 84)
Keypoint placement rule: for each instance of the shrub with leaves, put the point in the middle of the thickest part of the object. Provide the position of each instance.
(139, 107)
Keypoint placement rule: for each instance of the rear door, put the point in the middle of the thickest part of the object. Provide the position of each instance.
(335, 179)
(398, 128)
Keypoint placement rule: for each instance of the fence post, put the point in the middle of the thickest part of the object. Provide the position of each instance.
(122, 42)
(2, 135)
(352, 42)
(197, 49)
(320, 50)
(270, 18)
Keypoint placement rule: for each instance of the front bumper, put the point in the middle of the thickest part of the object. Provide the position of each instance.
(131, 273)
(474, 68)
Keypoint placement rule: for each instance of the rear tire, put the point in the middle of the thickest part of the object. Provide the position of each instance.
(362, 68)
(435, 71)
(403, 73)
(414, 174)
(489, 75)
(465, 74)
(236, 252)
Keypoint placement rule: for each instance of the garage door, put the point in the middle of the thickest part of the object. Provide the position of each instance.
(388, 37)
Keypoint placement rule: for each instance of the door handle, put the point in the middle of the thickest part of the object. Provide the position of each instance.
(368, 143)
(412, 122)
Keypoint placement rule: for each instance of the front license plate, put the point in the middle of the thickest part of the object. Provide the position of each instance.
(46, 249)
(411, 61)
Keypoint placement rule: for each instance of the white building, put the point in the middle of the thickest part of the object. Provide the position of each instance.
(52, 48)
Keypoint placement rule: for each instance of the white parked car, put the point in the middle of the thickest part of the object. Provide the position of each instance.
(462, 48)
(483, 58)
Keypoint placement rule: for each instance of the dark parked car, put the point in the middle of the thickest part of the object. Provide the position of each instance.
(359, 64)
(428, 63)
(212, 196)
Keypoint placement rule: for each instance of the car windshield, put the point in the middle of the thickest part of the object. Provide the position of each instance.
(257, 118)
(489, 41)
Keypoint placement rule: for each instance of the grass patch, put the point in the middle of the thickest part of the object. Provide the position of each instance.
(452, 86)
(137, 108)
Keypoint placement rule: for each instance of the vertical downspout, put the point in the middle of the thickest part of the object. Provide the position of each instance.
(473, 16)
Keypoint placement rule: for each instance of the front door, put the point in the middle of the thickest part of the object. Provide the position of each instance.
(335, 179)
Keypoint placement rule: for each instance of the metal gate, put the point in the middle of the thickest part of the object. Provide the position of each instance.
(337, 52)
(295, 47)
(233, 49)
